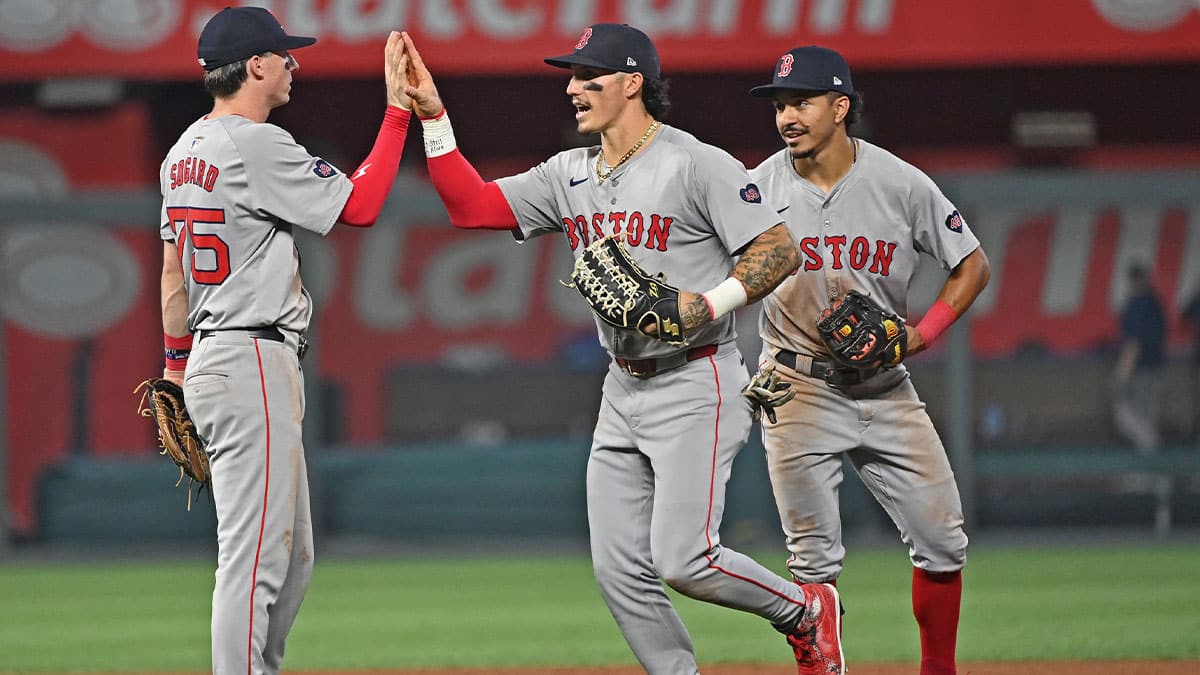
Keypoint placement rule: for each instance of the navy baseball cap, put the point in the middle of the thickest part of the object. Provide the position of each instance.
(237, 33)
(613, 46)
(810, 68)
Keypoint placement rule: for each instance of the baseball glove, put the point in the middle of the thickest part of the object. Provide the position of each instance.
(163, 400)
(861, 334)
(623, 294)
(766, 393)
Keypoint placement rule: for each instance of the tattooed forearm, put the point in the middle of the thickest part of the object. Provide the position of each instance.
(693, 311)
(766, 262)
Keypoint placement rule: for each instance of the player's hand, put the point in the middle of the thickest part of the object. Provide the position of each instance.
(693, 312)
(916, 342)
(420, 88)
(175, 376)
(394, 75)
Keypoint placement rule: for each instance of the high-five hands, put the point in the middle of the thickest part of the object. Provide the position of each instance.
(394, 75)
(420, 92)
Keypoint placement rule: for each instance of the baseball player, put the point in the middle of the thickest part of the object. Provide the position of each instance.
(861, 216)
(671, 420)
(234, 189)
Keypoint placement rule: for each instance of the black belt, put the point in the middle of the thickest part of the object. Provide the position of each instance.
(652, 367)
(831, 373)
(266, 333)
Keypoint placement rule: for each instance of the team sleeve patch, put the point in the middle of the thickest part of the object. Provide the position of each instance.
(324, 169)
(954, 222)
(750, 194)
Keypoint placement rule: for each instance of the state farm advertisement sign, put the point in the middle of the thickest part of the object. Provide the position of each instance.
(156, 39)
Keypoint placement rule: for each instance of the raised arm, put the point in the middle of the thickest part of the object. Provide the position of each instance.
(470, 201)
(374, 177)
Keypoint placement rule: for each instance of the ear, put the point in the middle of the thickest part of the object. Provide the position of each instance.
(841, 108)
(633, 85)
(255, 67)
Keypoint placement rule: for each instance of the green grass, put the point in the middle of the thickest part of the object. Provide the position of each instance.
(1019, 604)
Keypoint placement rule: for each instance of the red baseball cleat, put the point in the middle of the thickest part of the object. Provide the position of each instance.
(817, 642)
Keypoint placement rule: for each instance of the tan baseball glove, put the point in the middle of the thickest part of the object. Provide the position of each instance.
(162, 400)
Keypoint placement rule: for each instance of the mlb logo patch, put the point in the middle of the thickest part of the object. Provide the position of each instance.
(750, 194)
(324, 169)
(583, 39)
(954, 222)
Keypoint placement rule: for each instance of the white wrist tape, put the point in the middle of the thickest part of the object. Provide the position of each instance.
(725, 297)
(439, 135)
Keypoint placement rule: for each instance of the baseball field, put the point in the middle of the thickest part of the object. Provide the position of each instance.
(1087, 608)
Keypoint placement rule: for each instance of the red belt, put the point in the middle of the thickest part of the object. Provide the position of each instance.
(652, 367)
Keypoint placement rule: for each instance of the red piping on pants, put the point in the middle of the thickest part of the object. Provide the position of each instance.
(712, 482)
(262, 524)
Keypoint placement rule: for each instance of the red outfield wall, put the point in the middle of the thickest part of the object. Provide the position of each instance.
(61, 38)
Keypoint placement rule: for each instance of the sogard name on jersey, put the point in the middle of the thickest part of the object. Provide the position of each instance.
(194, 171)
(654, 228)
(855, 255)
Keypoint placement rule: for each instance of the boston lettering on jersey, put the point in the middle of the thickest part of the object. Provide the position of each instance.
(194, 171)
(855, 253)
(650, 230)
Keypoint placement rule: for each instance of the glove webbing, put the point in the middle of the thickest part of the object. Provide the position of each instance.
(602, 292)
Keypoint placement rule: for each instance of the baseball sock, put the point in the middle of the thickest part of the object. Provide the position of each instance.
(936, 598)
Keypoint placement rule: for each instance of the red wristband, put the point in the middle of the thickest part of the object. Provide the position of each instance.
(936, 321)
(171, 342)
(176, 351)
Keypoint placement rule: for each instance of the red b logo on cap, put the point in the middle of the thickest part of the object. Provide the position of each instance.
(583, 39)
(785, 65)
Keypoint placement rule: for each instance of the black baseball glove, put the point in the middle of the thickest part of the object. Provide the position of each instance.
(623, 294)
(861, 334)
(162, 400)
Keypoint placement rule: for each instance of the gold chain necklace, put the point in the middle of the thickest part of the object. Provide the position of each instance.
(601, 174)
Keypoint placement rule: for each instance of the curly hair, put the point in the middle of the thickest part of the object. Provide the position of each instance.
(654, 96)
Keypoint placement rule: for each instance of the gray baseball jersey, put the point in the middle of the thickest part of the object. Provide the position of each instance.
(865, 234)
(685, 207)
(664, 444)
(233, 190)
(244, 269)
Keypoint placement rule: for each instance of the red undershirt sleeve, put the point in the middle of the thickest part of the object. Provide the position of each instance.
(470, 202)
(374, 177)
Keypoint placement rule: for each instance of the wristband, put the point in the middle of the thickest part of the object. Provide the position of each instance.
(725, 297)
(439, 135)
(176, 351)
(172, 342)
(176, 362)
(936, 321)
